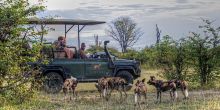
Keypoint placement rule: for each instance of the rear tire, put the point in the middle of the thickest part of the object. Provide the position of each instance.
(53, 82)
(128, 77)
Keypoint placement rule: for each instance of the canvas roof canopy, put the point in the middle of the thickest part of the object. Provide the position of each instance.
(63, 21)
(70, 22)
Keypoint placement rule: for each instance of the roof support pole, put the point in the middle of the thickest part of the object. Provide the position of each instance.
(79, 30)
(66, 31)
(78, 38)
(69, 29)
(82, 28)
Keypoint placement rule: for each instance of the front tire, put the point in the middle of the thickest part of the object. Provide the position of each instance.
(53, 82)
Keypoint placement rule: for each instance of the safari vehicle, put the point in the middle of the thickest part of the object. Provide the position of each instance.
(85, 70)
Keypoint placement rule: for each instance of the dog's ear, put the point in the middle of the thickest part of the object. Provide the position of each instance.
(137, 82)
(143, 80)
(152, 77)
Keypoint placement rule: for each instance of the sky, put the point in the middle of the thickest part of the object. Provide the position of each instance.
(174, 17)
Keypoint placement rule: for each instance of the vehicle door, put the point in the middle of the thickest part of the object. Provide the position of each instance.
(74, 67)
(96, 68)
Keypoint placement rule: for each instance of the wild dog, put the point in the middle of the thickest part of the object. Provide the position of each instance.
(183, 86)
(102, 86)
(106, 85)
(162, 86)
(118, 83)
(69, 85)
(140, 90)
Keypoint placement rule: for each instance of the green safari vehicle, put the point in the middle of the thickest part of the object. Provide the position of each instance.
(85, 70)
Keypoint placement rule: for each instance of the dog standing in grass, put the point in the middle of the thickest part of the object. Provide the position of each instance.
(140, 90)
(69, 86)
(102, 86)
(106, 85)
(183, 86)
(163, 86)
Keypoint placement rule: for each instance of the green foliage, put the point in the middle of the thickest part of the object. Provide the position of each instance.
(203, 56)
(195, 58)
(197, 52)
(16, 77)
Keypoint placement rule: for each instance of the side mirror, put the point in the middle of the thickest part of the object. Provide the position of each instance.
(114, 58)
(105, 42)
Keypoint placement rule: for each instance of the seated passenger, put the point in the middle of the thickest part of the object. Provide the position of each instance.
(82, 51)
(60, 44)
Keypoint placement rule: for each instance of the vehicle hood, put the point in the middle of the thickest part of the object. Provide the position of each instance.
(125, 62)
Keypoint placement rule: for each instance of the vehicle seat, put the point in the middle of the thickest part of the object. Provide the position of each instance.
(58, 52)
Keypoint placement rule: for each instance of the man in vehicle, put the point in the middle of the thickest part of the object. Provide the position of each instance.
(61, 45)
(82, 51)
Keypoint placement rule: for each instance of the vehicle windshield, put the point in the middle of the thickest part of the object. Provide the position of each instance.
(102, 55)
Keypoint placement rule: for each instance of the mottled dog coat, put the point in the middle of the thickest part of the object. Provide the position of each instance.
(163, 86)
(140, 90)
(70, 86)
(106, 85)
(182, 85)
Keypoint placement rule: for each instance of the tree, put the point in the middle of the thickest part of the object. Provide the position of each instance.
(124, 30)
(180, 58)
(204, 52)
(166, 56)
(158, 32)
(16, 77)
(171, 56)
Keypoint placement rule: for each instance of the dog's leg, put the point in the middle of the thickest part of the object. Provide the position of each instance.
(171, 96)
(69, 94)
(145, 96)
(160, 96)
(136, 98)
(126, 95)
(64, 91)
(124, 89)
(99, 89)
(175, 95)
(73, 90)
(120, 94)
(185, 93)
(139, 103)
(104, 92)
(158, 93)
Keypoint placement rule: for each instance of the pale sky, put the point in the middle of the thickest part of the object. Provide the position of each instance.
(174, 17)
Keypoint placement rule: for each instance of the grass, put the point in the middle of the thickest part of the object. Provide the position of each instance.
(199, 100)
(88, 99)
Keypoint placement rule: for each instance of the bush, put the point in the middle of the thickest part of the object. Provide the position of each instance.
(16, 77)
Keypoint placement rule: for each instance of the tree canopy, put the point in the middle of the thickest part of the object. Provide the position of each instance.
(16, 77)
(125, 31)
